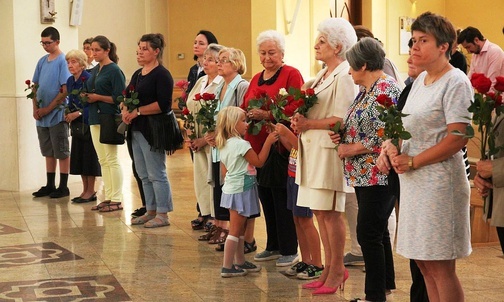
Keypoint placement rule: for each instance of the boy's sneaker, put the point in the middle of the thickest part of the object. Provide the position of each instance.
(60, 192)
(139, 212)
(44, 191)
(267, 255)
(311, 272)
(287, 260)
(249, 267)
(232, 272)
(296, 269)
(351, 259)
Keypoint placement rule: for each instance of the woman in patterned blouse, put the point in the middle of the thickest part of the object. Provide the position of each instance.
(360, 147)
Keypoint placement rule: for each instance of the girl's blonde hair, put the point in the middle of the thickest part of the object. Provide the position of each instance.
(226, 124)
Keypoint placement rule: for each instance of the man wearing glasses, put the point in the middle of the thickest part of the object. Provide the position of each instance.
(50, 79)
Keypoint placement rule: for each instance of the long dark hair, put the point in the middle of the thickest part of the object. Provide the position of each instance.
(209, 36)
(105, 44)
(156, 41)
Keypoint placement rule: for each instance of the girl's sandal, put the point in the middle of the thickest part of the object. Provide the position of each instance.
(209, 235)
(250, 247)
(111, 207)
(100, 205)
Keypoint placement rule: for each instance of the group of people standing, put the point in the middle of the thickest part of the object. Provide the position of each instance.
(93, 84)
(294, 168)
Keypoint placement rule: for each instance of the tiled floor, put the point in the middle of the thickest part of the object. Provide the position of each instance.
(53, 250)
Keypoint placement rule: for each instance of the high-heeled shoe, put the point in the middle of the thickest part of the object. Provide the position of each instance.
(325, 290)
(313, 285)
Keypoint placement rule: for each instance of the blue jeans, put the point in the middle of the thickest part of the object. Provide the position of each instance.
(151, 168)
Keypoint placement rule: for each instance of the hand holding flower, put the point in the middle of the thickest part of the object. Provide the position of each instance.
(484, 168)
(71, 116)
(400, 163)
(482, 185)
(299, 123)
(272, 138)
(210, 138)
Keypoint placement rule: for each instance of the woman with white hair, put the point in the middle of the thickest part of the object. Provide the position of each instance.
(319, 174)
(281, 232)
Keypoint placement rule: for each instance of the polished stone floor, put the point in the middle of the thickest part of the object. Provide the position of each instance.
(53, 250)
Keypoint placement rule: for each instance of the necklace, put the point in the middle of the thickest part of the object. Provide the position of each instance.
(437, 77)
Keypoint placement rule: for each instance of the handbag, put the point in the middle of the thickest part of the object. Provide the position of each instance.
(165, 135)
(80, 130)
(108, 129)
(273, 173)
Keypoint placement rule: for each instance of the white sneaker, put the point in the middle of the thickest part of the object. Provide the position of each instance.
(287, 260)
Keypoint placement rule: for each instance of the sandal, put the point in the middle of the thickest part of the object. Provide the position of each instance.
(100, 205)
(142, 219)
(158, 221)
(220, 247)
(208, 226)
(219, 237)
(209, 235)
(199, 223)
(250, 247)
(111, 207)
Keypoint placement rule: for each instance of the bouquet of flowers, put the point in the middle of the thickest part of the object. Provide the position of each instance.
(306, 99)
(487, 105)
(392, 117)
(33, 91)
(189, 123)
(206, 115)
(276, 106)
(182, 84)
(130, 102)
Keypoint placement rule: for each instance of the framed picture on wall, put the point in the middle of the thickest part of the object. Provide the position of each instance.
(47, 11)
(404, 34)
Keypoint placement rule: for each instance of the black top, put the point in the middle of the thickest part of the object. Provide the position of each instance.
(156, 86)
(459, 61)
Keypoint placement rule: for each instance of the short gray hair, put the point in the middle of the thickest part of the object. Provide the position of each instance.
(271, 35)
(236, 57)
(369, 52)
(338, 31)
(213, 49)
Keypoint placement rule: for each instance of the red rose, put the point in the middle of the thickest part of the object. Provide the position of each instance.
(499, 84)
(186, 111)
(83, 79)
(260, 94)
(28, 82)
(182, 84)
(197, 97)
(131, 88)
(208, 96)
(124, 92)
(310, 92)
(384, 100)
(481, 83)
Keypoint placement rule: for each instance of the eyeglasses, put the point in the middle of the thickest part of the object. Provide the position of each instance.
(45, 43)
(223, 61)
(210, 59)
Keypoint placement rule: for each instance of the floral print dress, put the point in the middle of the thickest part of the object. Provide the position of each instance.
(361, 124)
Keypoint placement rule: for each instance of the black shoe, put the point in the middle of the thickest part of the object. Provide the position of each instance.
(75, 198)
(84, 200)
(60, 192)
(139, 212)
(44, 191)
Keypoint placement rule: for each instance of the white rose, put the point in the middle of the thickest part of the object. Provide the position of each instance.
(283, 92)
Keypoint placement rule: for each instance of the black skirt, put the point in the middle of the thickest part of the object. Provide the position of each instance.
(83, 158)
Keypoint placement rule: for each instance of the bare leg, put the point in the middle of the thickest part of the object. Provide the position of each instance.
(249, 230)
(308, 236)
(335, 228)
(325, 242)
(441, 280)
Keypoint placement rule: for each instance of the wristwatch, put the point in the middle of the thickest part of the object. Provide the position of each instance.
(410, 163)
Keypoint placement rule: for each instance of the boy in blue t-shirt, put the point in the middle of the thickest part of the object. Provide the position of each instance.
(51, 75)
